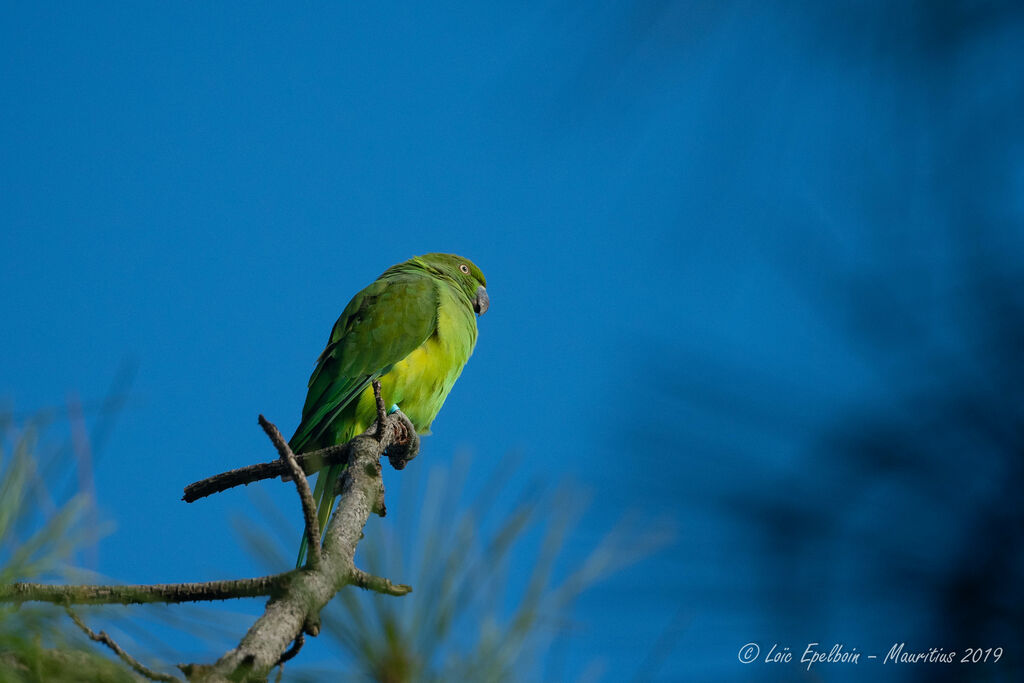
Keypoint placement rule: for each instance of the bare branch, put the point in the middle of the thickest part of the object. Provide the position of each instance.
(140, 594)
(297, 596)
(299, 605)
(102, 637)
(310, 463)
(302, 486)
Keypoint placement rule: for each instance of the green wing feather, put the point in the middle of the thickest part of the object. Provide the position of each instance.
(381, 325)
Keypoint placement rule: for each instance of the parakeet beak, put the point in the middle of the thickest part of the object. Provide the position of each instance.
(481, 302)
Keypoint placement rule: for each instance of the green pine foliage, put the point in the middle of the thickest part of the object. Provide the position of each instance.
(36, 643)
(469, 617)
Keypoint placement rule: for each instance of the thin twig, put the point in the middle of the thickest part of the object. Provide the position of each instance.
(382, 413)
(310, 463)
(376, 583)
(300, 640)
(140, 594)
(102, 637)
(302, 486)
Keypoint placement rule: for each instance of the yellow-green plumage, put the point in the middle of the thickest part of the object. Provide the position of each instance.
(414, 329)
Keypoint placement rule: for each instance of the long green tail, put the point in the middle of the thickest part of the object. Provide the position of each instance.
(323, 493)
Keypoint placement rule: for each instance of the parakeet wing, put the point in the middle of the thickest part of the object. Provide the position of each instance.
(382, 325)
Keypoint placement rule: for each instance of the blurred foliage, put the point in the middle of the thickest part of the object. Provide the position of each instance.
(43, 537)
(37, 643)
(847, 453)
(469, 616)
(894, 517)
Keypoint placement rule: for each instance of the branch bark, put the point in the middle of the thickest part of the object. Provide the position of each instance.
(296, 596)
(139, 594)
(297, 608)
(310, 463)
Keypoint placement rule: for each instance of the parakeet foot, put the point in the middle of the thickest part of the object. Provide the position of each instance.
(407, 443)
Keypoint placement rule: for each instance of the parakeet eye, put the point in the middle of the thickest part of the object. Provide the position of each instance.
(464, 268)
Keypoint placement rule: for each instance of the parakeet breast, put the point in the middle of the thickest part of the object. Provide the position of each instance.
(419, 383)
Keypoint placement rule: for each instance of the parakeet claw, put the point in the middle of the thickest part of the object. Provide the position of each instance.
(407, 443)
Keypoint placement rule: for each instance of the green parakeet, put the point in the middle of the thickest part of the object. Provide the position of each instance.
(414, 329)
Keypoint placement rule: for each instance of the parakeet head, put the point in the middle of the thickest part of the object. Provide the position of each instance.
(464, 273)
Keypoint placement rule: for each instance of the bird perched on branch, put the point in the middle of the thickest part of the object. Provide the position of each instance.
(413, 329)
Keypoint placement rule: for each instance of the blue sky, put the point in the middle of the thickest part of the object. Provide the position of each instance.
(199, 190)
